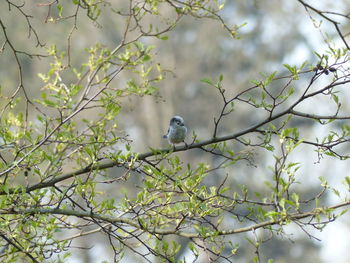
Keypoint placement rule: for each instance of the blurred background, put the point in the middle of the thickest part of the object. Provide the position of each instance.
(276, 32)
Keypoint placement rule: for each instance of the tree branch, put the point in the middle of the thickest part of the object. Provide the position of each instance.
(130, 222)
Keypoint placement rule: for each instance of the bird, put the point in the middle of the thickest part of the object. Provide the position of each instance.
(177, 131)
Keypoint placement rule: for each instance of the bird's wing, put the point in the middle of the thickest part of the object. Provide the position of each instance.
(166, 135)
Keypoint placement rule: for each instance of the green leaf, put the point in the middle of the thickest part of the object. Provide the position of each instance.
(270, 78)
(207, 81)
(146, 57)
(292, 69)
(336, 192)
(164, 37)
(60, 9)
(305, 63)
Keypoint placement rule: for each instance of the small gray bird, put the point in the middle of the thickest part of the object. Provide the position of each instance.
(177, 130)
